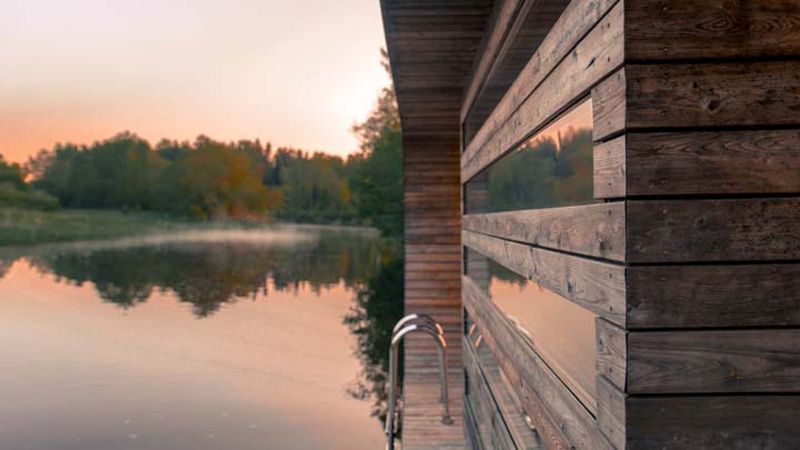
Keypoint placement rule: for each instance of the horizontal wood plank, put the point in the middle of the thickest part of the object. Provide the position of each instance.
(713, 95)
(533, 22)
(610, 179)
(471, 434)
(490, 401)
(612, 352)
(748, 295)
(594, 285)
(714, 361)
(562, 417)
(713, 230)
(691, 29)
(578, 18)
(611, 412)
(720, 162)
(597, 55)
(594, 230)
(609, 106)
(508, 404)
(708, 422)
(505, 13)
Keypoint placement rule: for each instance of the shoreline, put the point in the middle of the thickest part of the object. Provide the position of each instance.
(23, 228)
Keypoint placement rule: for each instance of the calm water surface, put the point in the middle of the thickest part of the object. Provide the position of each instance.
(212, 340)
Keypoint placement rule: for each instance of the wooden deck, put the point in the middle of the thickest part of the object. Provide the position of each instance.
(422, 411)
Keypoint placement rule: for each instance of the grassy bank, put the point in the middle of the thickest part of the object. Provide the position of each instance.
(25, 227)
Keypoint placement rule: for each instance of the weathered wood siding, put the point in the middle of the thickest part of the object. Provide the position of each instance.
(432, 286)
(432, 45)
(576, 252)
(690, 263)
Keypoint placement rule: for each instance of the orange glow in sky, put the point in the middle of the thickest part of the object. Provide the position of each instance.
(296, 73)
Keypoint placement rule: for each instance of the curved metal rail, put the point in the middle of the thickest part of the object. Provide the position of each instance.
(416, 319)
(410, 324)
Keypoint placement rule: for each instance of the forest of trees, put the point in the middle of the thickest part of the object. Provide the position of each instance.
(208, 179)
(16, 192)
(541, 173)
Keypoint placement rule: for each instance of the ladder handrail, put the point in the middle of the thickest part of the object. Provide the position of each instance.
(433, 329)
(426, 321)
(417, 318)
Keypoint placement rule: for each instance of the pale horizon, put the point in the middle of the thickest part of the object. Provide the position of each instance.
(296, 74)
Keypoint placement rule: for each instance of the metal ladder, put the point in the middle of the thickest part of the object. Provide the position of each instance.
(410, 324)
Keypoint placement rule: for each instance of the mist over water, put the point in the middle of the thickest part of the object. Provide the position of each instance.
(211, 339)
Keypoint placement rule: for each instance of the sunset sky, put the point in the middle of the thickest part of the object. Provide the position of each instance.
(296, 73)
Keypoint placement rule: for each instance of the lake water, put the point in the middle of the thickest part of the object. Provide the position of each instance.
(210, 340)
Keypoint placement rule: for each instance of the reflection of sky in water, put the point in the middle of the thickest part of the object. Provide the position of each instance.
(269, 370)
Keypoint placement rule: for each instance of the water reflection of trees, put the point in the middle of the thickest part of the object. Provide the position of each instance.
(378, 306)
(208, 275)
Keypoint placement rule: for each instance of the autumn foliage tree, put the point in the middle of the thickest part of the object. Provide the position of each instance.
(214, 181)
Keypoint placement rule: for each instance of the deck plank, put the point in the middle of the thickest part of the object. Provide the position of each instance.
(422, 427)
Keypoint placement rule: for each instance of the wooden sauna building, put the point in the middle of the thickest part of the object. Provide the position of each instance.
(603, 208)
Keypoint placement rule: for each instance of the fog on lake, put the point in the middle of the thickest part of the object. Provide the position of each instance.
(259, 338)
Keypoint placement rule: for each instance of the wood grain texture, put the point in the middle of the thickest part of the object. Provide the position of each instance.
(708, 422)
(562, 421)
(432, 283)
(597, 54)
(578, 18)
(713, 230)
(519, 425)
(500, 24)
(610, 177)
(594, 230)
(505, 423)
(721, 162)
(491, 428)
(713, 296)
(432, 46)
(609, 106)
(612, 353)
(714, 361)
(708, 95)
(533, 21)
(471, 436)
(611, 412)
(551, 435)
(596, 286)
(690, 29)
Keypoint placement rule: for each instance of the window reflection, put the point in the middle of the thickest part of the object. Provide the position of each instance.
(561, 332)
(552, 168)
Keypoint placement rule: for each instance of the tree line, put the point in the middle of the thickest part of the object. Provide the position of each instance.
(16, 192)
(208, 179)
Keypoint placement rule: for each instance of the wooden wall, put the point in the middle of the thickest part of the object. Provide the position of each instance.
(577, 252)
(706, 150)
(691, 260)
(432, 45)
(432, 285)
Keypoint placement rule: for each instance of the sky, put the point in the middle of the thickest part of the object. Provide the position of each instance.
(296, 73)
